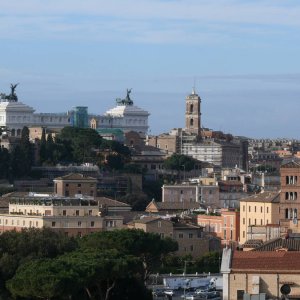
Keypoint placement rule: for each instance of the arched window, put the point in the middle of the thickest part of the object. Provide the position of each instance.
(19, 132)
(192, 122)
(191, 108)
(295, 213)
(13, 132)
(286, 213)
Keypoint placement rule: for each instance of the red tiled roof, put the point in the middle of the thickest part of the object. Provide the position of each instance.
(267, 261)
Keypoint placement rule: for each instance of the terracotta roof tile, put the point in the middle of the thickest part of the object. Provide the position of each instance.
(266, 260)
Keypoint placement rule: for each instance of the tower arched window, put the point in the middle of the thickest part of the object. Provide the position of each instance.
(286, 213)
(192, 122)
(191, 108)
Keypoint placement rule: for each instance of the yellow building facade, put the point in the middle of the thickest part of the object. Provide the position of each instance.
(258, 210)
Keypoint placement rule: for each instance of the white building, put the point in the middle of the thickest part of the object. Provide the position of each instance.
(15, 115)
(125, 116)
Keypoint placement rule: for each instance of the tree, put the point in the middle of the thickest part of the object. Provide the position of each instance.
(179, 162)
(150, 248)
(18, 247)
(49, 148)
(27, 150)
(97, 273)
(43, 147)
(22, 156)
(115, 161)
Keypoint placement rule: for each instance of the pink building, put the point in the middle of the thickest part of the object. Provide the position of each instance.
(226, 226)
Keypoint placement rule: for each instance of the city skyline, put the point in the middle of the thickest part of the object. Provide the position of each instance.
(240, 55)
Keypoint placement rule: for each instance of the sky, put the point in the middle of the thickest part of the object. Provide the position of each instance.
(242, 57)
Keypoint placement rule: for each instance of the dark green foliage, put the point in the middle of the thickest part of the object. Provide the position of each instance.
(138, 202)
(18, 247)
(153, 189)
(43, 145)
(130, 289)
(149, 247)
(96, 273)
(209, 262)
(4, 163)
(179, 162)
(21, 157)
(115, 161)
(40, 264)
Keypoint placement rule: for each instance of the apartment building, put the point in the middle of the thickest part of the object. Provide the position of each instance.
(190, 238)
(192, 192)
(225, 226)
(258, 210)
(73, 216)
(75, 184)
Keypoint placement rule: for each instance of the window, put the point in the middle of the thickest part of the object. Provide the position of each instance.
(159, 224)
(79, 223)
(244, 207)
(249, 222)
(243, 234)
(190, 235)
(162, 235)
(225, 234)
(92, 224)
(67, 193)
(261, 209)
(244, 221)
(79, 185)
(77, 212)
(254, 208)
(53, 224)
(267, 210)
(64, 212)
(111, 223)
(90, 212)
(249, 208)
(191, 248)
(180, 235)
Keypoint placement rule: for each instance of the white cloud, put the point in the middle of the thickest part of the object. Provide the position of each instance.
(145, 20)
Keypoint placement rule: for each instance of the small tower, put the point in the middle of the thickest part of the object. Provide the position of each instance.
(193, 113)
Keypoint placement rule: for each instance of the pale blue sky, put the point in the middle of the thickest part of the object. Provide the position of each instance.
(243, 56)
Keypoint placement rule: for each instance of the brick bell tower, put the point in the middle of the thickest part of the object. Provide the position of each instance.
(193, 113)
